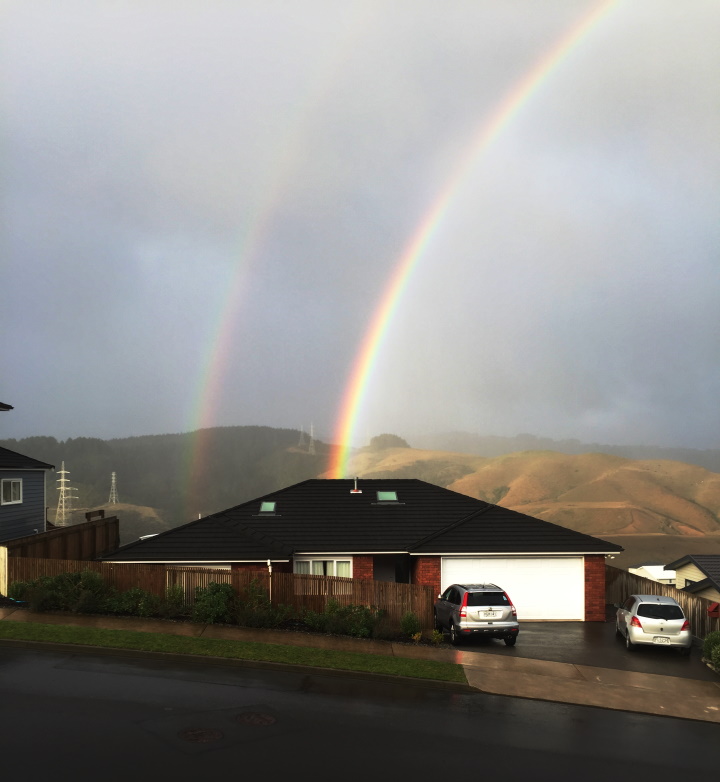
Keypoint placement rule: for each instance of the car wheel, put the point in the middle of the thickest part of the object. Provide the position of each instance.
(455, 639)
(617, 630)
(629, 645)
(510, 640)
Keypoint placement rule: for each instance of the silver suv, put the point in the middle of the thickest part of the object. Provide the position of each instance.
(467, 610)
(655, 620)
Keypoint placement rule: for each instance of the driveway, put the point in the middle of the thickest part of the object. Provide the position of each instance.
(594, 644)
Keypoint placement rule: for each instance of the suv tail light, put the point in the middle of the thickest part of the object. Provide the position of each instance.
(686, 625)
(635, 622)
(512, 606)
(463, 607)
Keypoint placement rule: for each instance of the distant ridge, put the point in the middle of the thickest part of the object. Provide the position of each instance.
(491, 445)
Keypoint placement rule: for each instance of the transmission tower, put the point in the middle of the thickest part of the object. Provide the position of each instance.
(65, 500)
(311, 446)
(301, 440)
(113, 491)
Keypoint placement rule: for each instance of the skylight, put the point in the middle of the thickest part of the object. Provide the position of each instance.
(387, 496)
(267, 507)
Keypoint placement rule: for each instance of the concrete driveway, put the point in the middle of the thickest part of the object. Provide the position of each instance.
(593, 644)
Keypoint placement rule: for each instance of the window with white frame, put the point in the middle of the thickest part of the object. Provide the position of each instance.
(324, 567)
(11, 491)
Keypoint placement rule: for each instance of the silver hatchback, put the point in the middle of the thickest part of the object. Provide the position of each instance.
(655, 620)
(468, 610)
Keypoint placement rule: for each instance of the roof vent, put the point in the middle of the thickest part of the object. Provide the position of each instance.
(267, 507)
(356, 490)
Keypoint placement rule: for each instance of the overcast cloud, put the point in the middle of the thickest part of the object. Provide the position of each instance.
(203, 203)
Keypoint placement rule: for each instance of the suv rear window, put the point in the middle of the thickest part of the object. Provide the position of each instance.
(659, 611)
(487, 599)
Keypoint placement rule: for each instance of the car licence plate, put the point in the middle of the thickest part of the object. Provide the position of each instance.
(660, 639)
(489, 614)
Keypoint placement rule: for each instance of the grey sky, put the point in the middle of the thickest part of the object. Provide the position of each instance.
(203, 204)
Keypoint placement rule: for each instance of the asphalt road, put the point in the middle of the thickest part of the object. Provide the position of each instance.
(85, 716)
(595, 644)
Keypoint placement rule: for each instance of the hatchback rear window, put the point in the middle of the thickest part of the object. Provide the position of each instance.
(487, 599)
(660, 611)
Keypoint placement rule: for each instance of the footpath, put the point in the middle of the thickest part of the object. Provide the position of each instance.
(668, 696)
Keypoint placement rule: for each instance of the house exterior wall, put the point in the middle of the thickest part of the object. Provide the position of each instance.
(686, 573)
(594, 587)
(27, 517)
(426, 571)
(362, 567)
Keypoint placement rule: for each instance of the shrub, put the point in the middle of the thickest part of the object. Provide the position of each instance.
(410, 624)
(173, 605)
(712, 641)
(437, 637)
(715, 658)
(254, 609)
(135, 601)
(214, 603)
(355, 620)
(18, 590)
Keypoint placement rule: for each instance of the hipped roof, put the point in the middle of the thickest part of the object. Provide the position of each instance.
(325, 517)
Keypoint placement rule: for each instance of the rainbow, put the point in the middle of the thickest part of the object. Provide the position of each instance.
(490, 129)
(222, 332)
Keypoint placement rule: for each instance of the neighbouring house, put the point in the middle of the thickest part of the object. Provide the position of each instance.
(403, 530)
(655, 572)
(22, 493)
(698, 574)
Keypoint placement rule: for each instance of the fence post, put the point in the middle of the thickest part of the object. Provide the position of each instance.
(3, 570)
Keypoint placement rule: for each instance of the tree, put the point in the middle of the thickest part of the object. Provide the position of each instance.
(382, 441)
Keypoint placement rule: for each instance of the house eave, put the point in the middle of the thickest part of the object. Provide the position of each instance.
(510, 553)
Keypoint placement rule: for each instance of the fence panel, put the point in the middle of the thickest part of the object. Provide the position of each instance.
(190, 578)
(88, 540)
(619, 584)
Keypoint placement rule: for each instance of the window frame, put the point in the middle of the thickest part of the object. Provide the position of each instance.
(11, 481)
(320, 558)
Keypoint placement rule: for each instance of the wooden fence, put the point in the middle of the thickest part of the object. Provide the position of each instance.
(91, 539)
(619, 584)
(301, 592)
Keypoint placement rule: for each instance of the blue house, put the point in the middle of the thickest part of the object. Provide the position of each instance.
(22, 493)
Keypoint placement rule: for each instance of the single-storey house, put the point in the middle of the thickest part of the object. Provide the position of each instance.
(22, 493)
(400, 530)
(698, 574)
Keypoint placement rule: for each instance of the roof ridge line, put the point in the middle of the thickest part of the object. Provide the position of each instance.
(454, 524)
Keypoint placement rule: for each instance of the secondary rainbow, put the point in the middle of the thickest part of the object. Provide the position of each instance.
(490, 129)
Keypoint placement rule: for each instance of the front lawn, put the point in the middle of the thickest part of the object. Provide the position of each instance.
(239, 650)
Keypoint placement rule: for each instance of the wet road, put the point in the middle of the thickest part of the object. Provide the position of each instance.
(89, 717)
(595, 644)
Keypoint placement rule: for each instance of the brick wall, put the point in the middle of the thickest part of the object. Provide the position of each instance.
(594, 587)
(426, 571)
(363, 567)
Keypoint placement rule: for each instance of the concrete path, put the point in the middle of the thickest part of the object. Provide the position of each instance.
(519, 677)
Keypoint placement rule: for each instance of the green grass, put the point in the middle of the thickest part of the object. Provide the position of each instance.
(238, 650)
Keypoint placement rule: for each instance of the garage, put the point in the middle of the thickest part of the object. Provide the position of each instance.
(542, 588)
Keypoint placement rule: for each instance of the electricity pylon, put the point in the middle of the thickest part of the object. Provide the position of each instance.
(113, 491)
(311, 447)
(65, 500)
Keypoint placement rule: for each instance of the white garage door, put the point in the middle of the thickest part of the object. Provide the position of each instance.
(540, 587)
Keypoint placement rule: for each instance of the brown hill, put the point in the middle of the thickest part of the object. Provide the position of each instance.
(594, 493)
(135, 520)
